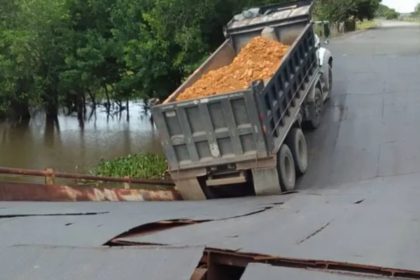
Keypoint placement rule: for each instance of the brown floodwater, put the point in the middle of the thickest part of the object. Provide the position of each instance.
(68, 147)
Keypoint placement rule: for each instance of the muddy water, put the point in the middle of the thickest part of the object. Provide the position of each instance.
(68, 147)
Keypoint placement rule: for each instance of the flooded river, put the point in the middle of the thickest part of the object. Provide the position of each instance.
(68, 147)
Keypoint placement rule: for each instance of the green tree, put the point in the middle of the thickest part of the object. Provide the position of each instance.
(417, 10)
(90, 61)
(335, 10)
(174, 37)
(342, 10)
(366, 9)
(63, 53)
(32, 49)
(386, 12)
(18, 82)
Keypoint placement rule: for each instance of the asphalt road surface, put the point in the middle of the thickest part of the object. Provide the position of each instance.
(356, 216)
(371, 125)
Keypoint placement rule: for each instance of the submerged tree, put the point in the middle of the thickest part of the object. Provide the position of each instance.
(66, 53)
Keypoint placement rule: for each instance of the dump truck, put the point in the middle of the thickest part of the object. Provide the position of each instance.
(249, 142)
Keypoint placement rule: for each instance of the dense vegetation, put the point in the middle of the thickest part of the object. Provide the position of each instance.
(67, 53)
(343, 10)
(136, 166)
(72, 53)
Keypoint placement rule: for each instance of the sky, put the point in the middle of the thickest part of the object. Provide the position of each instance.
(402, 6)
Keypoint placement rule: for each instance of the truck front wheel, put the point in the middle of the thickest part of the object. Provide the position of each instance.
(315, 110)
(297, 143)
(330, 79)
(286, 169)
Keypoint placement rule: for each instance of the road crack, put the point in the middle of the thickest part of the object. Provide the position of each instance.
(51, 215)
(314, 233)
(163, 225)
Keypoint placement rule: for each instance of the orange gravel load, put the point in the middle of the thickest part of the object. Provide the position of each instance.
(258, 60)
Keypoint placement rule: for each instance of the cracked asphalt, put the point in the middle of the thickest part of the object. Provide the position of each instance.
(357, 205)
(371, 124)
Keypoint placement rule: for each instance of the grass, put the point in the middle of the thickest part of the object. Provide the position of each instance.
(146, 166)
(366, 24)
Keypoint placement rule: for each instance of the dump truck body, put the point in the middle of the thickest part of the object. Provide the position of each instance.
(233, 138)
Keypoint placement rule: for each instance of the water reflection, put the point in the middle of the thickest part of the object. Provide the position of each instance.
(69, 145)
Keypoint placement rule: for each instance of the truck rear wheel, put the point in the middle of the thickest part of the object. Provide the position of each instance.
(286, 169)
(298, 146)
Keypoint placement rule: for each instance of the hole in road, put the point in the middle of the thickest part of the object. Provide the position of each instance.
(150, 228)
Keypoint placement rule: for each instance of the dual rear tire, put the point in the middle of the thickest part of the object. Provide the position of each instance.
(292, 159)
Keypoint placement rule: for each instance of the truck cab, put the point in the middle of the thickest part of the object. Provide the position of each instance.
(326, 63)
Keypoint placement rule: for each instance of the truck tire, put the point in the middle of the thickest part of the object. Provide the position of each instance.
(297, 143)
(328, 90)
(330, 79)
(315, 110)
(286, 169)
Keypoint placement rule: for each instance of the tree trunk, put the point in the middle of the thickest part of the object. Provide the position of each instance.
(108, 100)
(127, 104)
(92, 99)
(84, 105)
(51, 107)
(20, 111)
(51, 111)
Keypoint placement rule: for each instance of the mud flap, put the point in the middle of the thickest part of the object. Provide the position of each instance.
(266, 181)
(190, 189)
